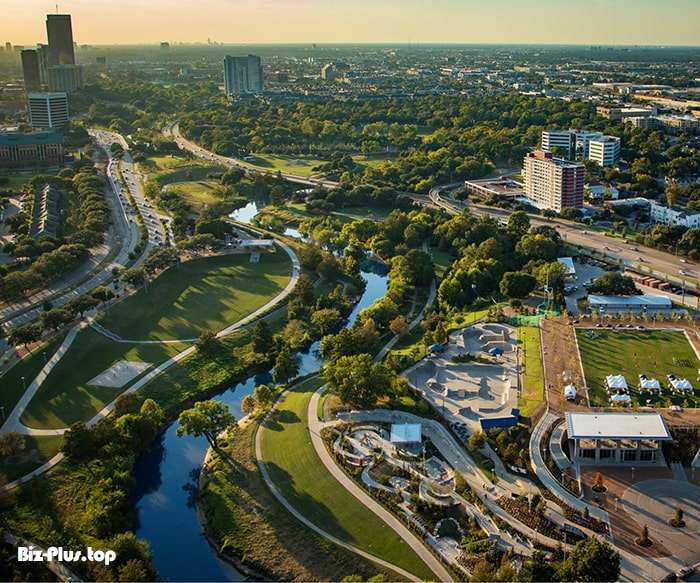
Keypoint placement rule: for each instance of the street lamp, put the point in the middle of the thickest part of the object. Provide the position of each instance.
(3, 413)
(616, 501)
(24, 384)
(633, 473)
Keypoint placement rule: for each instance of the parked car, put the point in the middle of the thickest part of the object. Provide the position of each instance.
(685, 572)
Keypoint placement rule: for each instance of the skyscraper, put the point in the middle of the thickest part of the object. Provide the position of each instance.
(31, 71)
(60, 34)
(243, 75)
(552, 183)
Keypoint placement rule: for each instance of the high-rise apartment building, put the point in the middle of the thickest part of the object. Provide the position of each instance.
(31, 71)
(65, 78)
(60, 34)
(48, 110)
(243, 75)
(605, 150)
(552, 183)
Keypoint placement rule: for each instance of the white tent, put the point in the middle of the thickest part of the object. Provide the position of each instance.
(649, 385)
(570, 392)
(620, 399)
(615, 382)
(682, 385)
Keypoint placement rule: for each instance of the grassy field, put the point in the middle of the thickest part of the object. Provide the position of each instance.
(182, 173)
(65, 396)
(298, 165)
(28, 367)
(198, 194)
(533, 375)
(294, 467)
(203, 294)
(37, 451)
(634, 352)
(442, 260)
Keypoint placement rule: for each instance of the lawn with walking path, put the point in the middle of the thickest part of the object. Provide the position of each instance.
(306, 484)
(655, 353)
(533, 376)
(65, 396)
(203, 294)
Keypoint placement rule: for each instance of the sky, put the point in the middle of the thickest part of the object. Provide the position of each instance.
(586, 22)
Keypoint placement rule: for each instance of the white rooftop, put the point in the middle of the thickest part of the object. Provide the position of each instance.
(648, 301)
(405, 433)
(616, 426)
(569, 262)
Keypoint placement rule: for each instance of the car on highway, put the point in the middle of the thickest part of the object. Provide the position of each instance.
(683, 272)
(640, 259)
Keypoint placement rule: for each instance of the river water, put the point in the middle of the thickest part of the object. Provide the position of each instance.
(166, 479)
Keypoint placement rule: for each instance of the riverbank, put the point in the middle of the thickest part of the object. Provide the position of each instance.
(242, 519)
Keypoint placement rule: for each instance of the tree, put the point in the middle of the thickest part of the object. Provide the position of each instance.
(209, 344)
(262, 337)
(591, 560)
(207, 418)
(614, 284)
(677, 520)
(477, 440)
(127, 403)
(78, 443)
(24, 335)
(399, 327)
(518, 224)
(326, 320)
(263, 395)
(644, 540)
(286, 366)
(248, 404)
(517, 284)
(151, 409)
(102, 293)
(81, 304)
(11, 443)
(55, 319)
(538, 569)
(358, 381)
(598, 483)
(134, 276)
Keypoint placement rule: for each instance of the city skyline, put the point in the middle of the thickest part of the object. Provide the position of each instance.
(607, 22)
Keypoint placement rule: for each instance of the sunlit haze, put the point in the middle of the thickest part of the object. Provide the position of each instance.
(586, 22)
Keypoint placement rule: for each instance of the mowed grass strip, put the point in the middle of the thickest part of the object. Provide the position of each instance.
(634, 352)
(533, 375)
(65, 396)
(202, 294)
(307, 485)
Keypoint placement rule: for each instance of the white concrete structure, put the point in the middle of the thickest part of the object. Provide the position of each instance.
(48, 110)
(575, 142)
(405, 433)
(604, 150)
(608, 438)
(673, 216)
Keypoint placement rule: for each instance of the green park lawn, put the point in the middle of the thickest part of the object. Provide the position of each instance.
(203, 294)
(181, 173)
(298, 165)
(65, 396)
(634, 352)
(304, 482)
(533, 375)
(198, 194)
(28, 367)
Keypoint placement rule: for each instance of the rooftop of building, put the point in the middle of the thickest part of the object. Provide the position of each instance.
(617, 426)
(648, 301)
(12, 139)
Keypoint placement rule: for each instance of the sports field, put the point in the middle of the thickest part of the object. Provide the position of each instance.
(205, 294)
(655, 353)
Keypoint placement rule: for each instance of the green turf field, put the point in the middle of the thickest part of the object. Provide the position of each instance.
(305, 482)
(204, 294)
(533, 376)
(297, 165)
(630, 353)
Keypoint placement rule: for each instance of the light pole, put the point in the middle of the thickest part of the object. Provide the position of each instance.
(24, 384)
(633, 473)
(616, 501)
(3, 413)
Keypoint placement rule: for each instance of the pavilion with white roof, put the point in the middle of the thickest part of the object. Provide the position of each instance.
(611, 438)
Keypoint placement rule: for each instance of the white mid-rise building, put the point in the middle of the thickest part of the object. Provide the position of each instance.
(605, 150)
(673, 216)
(48, 111)
(575, 143)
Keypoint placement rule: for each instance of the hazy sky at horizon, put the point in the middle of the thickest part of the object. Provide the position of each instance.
(643, 22)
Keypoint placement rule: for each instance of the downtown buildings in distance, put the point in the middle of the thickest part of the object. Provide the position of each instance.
(552, 183)
(53, 65)
(243, 75)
